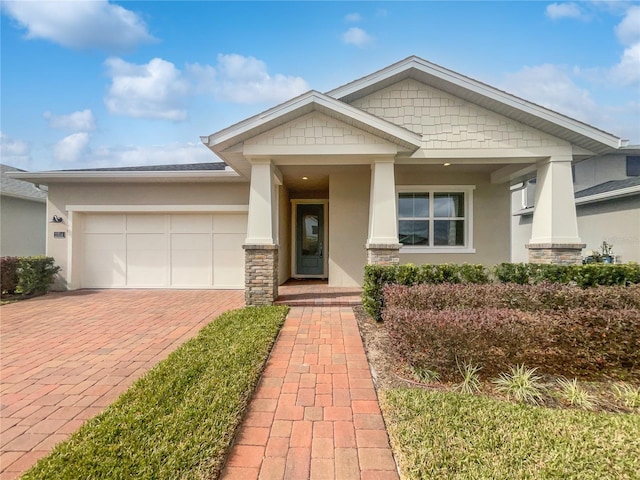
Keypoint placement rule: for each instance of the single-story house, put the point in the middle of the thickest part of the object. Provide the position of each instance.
(23, 210)
(412, 163)
(607, 198)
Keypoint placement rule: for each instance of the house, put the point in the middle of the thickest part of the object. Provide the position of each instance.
(412, 163)
(23, 212)
(607, 198)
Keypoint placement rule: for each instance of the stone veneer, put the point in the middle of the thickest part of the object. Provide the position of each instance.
(383, 254)
(261, 274)
(556, 253)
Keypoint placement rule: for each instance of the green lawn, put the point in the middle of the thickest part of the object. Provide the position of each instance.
(179, 419)
(457, 436)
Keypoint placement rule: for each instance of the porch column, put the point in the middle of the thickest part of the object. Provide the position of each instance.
(554, 232)
(261, 248)
(382, 245)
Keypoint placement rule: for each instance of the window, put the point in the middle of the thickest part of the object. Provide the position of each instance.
(434, 219)
(633, 166)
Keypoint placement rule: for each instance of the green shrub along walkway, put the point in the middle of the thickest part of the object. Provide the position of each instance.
(179, 419)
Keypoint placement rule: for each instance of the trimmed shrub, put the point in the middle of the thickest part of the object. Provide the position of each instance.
(561, 330)
(8, 274)
(531, 298)
(36, 274)
(377, 276)
(588, 275)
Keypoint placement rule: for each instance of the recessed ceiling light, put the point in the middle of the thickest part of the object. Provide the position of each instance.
(305, 178)
(446, 164)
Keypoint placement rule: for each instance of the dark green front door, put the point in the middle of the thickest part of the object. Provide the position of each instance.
(310, 239)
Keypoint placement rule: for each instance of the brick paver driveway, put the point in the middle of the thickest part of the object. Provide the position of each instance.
(66, 356)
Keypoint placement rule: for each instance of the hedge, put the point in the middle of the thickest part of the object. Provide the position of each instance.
(27, 275)
(377, 276)
(8, 274)
(562, 330)
(588, 275)
(591, 275)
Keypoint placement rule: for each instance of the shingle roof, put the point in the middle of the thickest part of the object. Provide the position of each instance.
(609, 186)
(182, 167)
(19, 188)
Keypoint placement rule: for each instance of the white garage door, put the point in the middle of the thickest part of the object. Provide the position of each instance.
(163, 250)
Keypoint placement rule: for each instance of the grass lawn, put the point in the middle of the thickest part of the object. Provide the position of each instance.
(179, 419)
(459, 436)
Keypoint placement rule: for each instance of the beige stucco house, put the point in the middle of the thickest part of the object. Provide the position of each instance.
(22, 216)
(412, 163)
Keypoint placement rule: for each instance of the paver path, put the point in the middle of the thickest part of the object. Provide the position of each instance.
(66, 356)
(315, 414)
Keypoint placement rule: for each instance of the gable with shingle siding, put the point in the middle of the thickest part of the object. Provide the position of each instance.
(315, 129)
(446, 121)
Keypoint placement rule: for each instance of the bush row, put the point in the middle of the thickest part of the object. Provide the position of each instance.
(589, 275)
(581, 342)
(530, 298)
(27, 275)
(377, 276)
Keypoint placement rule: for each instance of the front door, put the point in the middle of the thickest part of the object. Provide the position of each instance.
(309, 239)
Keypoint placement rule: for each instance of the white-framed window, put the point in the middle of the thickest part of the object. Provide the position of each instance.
(435, 219)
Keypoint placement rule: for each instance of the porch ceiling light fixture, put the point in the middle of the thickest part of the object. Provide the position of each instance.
(305, 178)
(446, 164)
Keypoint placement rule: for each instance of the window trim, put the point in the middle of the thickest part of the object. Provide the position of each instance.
(468, 224)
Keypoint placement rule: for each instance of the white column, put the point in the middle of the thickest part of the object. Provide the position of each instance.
(262, 204)
(383, 219)
(554, 215)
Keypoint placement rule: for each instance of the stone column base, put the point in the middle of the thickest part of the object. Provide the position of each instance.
(383, 253)
(556, 253)
(260, 274)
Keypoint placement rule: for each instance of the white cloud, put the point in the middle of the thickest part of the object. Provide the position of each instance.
(628, 30)
(352, 17)
(159, 90)
(552, 86)
(627, 71)
(80, 24)
(356, 36)
(152, 90)
(81, 121)
(239, 79)
(14, 152)
(174, 153)
(556, 11)
(70, 149)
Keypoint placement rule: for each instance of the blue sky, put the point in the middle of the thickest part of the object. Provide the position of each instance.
(101, 83)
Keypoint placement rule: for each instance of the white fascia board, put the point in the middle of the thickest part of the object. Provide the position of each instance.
(310, 99)
(131, 176)
(480, 88)
(599, 197)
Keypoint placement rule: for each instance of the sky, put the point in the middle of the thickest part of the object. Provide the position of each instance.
(98, 83)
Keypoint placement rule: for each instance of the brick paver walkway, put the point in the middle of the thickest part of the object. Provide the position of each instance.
(66, 356)
(315, 414)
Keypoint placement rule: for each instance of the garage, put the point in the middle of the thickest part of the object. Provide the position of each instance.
(161, 250)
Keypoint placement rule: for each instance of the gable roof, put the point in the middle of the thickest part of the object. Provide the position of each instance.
(486, 96)
(307, 103)
(18, 188)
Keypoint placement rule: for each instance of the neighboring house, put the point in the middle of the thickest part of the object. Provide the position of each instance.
(607, 198)
(23, 212)
(412, 163)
